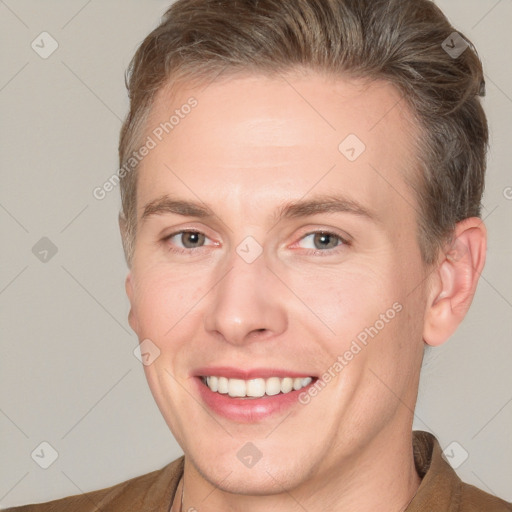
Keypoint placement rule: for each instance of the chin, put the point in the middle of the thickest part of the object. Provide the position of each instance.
(264, 479)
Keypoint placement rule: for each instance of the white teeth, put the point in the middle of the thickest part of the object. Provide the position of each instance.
(297, 384)
(222, 385)
(236, 387)
(273, 386)
(286, 385)
(213, 383)
(256, 388)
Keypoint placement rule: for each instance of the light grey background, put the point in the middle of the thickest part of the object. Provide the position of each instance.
(68, 373)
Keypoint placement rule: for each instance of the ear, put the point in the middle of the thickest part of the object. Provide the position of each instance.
(454, 281)
(132, 318)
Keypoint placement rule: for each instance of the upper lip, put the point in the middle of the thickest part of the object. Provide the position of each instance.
(247, 373)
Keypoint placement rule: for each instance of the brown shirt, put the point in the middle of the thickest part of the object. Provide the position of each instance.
(440, 491)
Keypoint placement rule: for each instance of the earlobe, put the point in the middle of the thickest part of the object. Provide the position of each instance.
(454, 281)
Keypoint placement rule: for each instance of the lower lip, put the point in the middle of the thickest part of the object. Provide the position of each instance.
(248, 410)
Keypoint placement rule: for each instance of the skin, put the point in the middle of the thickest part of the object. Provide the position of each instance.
(252, 145)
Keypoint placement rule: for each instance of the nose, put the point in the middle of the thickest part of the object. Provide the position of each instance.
(247, 303)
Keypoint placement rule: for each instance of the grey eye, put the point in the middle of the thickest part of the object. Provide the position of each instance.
(188, 239)
(321, 240)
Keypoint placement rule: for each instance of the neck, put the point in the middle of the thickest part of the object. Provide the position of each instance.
(381, 477)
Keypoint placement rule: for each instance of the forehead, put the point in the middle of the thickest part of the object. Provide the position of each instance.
(261, 140)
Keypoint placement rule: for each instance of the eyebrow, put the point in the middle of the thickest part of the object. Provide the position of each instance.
(290, 210)
(166, 204)
(324, 204)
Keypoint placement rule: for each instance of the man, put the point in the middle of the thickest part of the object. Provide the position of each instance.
(301, 186)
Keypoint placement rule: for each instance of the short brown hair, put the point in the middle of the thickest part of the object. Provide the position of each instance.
(400, 41)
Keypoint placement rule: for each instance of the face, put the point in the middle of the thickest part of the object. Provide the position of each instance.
(277, 255)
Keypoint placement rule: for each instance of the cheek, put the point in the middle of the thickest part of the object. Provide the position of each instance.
(347, 300)
(162, 298)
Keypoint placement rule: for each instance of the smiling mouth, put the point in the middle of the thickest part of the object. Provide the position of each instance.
(255, 388)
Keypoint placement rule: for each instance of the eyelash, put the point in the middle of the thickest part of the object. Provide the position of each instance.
(315, 252)
(179, 250)
(325, 252)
